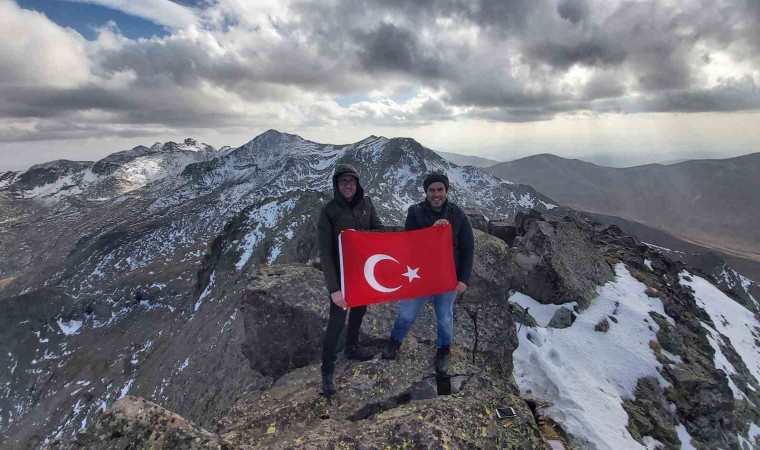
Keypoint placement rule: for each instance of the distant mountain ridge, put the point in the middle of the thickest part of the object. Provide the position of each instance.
(467, 160)
(715, 203)
(113, 175)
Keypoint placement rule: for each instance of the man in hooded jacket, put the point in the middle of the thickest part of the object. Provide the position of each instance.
(349, 209)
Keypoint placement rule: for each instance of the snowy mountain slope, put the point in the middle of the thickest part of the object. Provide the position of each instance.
(658, 358)
(391, 169)
(125, 241)
(151, 264)
(587, 387)
(113, 175)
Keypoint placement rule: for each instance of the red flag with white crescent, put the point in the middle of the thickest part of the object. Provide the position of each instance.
(383, 267)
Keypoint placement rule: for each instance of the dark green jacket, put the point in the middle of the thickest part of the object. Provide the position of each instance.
(337, 215)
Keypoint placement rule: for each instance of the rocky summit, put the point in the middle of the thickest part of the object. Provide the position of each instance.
(185, 309)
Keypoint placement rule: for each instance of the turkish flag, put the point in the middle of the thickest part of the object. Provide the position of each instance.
(382, 267)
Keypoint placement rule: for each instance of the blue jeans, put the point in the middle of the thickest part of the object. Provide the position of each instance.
(444, 315)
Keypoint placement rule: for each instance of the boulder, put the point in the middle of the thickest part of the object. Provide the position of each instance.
(602, 326)
(563, 318)
(490, 272)
(285, 310)
(556, 261)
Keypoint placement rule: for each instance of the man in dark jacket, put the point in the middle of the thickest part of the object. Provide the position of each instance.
(348, 209)
(436, 210)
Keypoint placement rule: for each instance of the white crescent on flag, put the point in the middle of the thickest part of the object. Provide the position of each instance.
(369, 272)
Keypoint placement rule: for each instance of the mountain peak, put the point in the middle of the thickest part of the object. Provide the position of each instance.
(272, 136)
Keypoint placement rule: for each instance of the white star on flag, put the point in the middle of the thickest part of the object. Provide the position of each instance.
(411, 273)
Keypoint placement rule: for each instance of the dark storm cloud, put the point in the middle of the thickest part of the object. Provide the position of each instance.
(603, 86)
(185, 63)
(573, 10)
(392, 48)
(596, 51)
(498, 60)
(740, 96)
(158, 106)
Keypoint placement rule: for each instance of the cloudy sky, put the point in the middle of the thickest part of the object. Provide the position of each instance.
(606, 80)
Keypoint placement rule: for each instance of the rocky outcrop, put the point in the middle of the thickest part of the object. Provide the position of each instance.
(563, 318)
(697, 394)
(133, 422)
(477, 219)
(555, 261)
(385, 403)
(649, 414)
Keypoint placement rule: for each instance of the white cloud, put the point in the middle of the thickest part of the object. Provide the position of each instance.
(37, 52)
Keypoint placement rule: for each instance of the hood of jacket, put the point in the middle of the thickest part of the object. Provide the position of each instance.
(343, 169)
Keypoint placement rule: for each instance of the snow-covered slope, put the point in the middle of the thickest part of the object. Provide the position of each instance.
(587, 374)
(124, 242)
(113, 175)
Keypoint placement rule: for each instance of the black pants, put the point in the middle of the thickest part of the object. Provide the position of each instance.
(334, 328)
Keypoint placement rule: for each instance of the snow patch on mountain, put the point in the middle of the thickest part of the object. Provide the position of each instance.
(265, 217)
(69, 327)
(586, 374)
(542, 313)
(721, 362)
(684, 437)
(731, 320)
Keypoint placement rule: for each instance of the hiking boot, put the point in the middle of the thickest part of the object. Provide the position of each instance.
(442, 361)
(328, 386)
(391, 349)
(356, 353)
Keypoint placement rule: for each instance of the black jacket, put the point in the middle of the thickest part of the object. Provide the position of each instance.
(337, 215)
(422, 215)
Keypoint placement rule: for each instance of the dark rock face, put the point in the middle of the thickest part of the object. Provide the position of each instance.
(283, 321)
(555, 261)
(489, 280)
(506, 231)
(24, 322)
(41, 174)
(649, 414)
